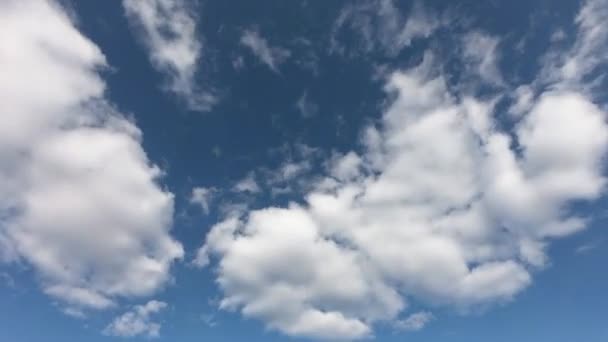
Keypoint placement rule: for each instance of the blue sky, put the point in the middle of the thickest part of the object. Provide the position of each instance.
(188, 170)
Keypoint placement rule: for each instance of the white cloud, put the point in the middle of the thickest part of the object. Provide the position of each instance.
(202, 197)
(137, 321)
(272, 56)
(78, 197)
(441, 206)
(238, 63)
(588, 247)
(575, 69)
(558, 36)
(290, 170)
(415, 321)
(209, 320)
(481, 51)
(168, 30)
(292, 175)
(591, 43)
(523, 98)
(380, 25)
(247, 184)
(74, 312)
(321, 266)
(346, 167)
(306, 107)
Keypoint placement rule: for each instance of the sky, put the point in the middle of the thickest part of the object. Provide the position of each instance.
(200, 170)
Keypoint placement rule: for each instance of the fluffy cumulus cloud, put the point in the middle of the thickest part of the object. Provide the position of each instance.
(137, 322)
(168, 30)
(79, 200)
(440, 205)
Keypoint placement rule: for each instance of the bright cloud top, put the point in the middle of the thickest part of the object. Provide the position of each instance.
(78, 196)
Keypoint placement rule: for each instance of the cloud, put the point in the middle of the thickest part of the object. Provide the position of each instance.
(247, 184)
(306, 107)
(345, 167)
(379, 25)
(575, 69)
(441, 206)
(137, 321)
(481, 51)
(588, 247)
(238, 63)
(415, 321)
(294, 174)
(591, 42)
(202, 197)
(209, 320)
(282, 303)
(168, 30)
(558, 36)
(74, 312)
(291, 176)
(523, 97)
(269, 55)
(79, 199)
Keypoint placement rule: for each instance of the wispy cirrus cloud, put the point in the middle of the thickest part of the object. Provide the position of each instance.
(167, 29)
(380, 25)
(482, 52)
(271, 56)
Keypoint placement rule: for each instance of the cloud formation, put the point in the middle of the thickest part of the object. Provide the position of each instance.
(306, 106)
(379, 25)
(441, 205)
(168, 30)
(481, 52)
(202, 197)
(415, 321)
(137, 322)
(271, 56)
(79, 199)
(247, 185)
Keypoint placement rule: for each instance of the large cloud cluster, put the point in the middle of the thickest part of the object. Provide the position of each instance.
(78, 197)
(442, 206)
